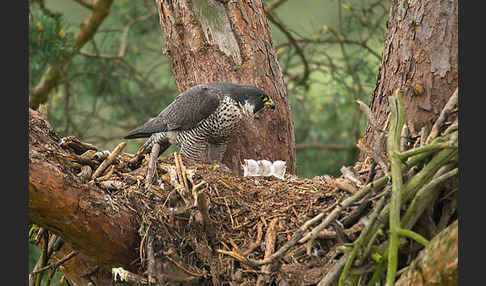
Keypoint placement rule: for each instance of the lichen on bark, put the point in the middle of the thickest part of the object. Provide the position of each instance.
(217, 27)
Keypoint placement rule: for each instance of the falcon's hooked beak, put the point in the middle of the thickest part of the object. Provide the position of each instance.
(269, 102)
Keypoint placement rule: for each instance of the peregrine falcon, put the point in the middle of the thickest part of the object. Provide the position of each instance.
(202, 119)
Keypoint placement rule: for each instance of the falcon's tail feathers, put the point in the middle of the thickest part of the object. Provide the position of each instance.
(137, 135)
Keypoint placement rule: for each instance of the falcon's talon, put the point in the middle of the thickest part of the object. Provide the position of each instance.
(202, 119)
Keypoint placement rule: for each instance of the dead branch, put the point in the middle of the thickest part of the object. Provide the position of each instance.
(123, 43)
(330, 217)
(369, 115)
(255, 243)
(53, 266)
(349, 175)
(447, 211)
(202, 205)
(181, 172)
(279, 253)
(345, 185)
(78, 146)
(151, 262)
(404, 138)
(154, 154)
(348, 232)
(107, 162)
(107, 175)
(448, 108)
(331, 277)
(270, 239)
(85, 173)
(355, 214)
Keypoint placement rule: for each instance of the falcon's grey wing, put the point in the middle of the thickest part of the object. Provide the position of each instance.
(185, 112)
(191, 107)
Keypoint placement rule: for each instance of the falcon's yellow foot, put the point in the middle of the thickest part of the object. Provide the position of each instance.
(223, 167)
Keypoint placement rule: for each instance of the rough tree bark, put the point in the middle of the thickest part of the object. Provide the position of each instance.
(208, 40)
(76, 211)
(437, 264)
(420, 58)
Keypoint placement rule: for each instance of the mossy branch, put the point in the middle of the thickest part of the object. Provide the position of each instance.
(411, 190)
(413, 235)
(441, 153)
(358, 243)
(427, 148)
(43, 257)
(393, 148)
(422, 199)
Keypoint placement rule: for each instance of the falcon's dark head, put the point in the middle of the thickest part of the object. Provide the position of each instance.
(252, 99)
(266, 100)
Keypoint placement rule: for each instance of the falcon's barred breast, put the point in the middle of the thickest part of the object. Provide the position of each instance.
(202, 119)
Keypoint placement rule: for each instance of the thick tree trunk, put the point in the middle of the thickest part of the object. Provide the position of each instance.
(208, 40)
(420, 58)
(74, 210)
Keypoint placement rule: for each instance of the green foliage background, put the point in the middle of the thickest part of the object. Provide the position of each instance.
(101, 96)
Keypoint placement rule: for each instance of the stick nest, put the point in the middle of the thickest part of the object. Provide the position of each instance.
(240, 210)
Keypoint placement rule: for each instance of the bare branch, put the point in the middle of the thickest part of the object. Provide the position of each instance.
(154, 154)
(270, 240)
(294, 43)
(53, 74)
(86, 3)
(274, 5)
(334, 40)
(369, 115)
(109, 160)
(453, 100)
(304, 146)
(57, 264)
